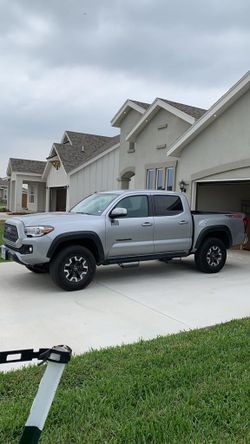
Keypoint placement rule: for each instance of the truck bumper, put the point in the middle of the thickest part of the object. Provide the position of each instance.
(25, 255)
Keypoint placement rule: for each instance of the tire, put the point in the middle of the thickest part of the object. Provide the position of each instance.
(73, 268)
(39, 269)
(211, 256)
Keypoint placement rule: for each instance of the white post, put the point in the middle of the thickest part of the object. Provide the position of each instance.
(57, 358)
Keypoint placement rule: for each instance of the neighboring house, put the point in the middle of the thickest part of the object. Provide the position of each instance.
(26, 172)
(4, 189)
(75, 168)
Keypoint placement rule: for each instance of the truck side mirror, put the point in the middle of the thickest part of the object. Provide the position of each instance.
(118, 212)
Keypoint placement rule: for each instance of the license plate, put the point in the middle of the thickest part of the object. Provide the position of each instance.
(3, 252)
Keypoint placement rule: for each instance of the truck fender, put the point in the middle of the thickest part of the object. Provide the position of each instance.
(220, 231)
(81, 237)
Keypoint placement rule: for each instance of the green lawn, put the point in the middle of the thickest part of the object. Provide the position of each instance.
(188, 388)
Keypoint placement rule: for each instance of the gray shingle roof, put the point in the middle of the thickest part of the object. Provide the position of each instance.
(191, 110)
(72, 156)
(142, 104)
(27, 166)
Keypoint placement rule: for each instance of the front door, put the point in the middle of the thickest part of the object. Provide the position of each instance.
(131, 235)
(173, 225)
(61, 194)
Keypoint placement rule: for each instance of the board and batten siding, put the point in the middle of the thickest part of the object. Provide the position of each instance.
(57, 178)
(98, 175)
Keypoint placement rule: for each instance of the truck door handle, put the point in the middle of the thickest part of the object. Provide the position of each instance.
(147, 224)
(182, 222)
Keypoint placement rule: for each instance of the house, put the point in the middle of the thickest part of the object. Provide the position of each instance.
(214, 154)
(3, 189)
(26, 172)
(79, 164)
(146, 133)
(162, 145)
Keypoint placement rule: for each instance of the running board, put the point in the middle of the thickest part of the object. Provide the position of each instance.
(129, 264)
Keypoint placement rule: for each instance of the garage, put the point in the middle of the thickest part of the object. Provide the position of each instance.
(224, 196)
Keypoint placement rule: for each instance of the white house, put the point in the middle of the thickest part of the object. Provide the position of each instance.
(80, 165)
(4, 189)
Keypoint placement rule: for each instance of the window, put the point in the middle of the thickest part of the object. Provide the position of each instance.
(136, 206)
(94, 204)
(167, 205)
(160, 179)
(170, 178)
(31, 194)
(151, 179)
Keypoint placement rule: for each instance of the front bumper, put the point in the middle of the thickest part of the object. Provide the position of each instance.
(7, 255)
(26, 254)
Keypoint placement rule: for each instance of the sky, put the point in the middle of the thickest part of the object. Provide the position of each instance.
(71, 64)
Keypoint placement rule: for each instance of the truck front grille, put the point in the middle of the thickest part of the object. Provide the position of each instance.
(10, 232)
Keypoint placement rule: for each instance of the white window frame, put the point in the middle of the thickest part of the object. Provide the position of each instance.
(31, 194)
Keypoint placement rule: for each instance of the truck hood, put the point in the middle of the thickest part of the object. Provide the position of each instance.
(58, 218)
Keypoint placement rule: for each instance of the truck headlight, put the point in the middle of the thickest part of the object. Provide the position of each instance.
(38, 231)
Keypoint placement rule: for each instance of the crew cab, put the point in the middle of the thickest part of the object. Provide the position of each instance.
(120, 227)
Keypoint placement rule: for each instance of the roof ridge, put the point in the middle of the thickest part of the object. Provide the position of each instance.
(88, 134)
(27, 160)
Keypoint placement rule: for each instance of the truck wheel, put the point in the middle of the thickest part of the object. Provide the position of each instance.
(38, 268)
(73, 268)
(211, 256)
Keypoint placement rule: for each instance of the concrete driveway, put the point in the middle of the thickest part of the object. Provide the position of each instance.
(121, 305)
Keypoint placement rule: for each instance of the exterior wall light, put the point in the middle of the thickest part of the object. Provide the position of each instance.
(183, 186)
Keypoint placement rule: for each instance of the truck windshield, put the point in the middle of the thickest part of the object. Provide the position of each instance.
(94, 204)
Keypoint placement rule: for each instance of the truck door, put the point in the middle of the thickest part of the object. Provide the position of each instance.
(131, 235)
(173, 224)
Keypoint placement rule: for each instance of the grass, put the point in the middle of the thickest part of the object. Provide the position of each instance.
(188, 388)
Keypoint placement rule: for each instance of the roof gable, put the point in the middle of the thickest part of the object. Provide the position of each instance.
(184, 112)
(87, 147)
(140, 107)
(216, 110)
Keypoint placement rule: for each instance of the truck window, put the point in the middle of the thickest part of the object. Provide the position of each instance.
(137, 206)
(167, 205)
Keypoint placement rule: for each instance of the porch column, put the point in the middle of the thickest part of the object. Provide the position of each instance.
(18, 194)
(67, 199)
(47, 199)
(9, 195)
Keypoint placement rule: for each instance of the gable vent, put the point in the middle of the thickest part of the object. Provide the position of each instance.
(83, 149)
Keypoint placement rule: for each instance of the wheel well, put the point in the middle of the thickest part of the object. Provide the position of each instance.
(221, 235)
(87, 243)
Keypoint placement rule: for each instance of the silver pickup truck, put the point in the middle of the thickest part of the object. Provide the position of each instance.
(120, 227)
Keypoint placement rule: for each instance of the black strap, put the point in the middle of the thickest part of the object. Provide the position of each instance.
(25, 355)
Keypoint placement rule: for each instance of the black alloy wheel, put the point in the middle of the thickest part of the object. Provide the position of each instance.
(73, 268)
(211, 256)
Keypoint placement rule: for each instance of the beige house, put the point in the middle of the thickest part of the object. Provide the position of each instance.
(147, 132)
(214, 154)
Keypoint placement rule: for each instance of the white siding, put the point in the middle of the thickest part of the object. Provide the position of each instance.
(100, 175)
(56, 178)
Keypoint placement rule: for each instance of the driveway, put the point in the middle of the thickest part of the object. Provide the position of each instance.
(121, 305)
